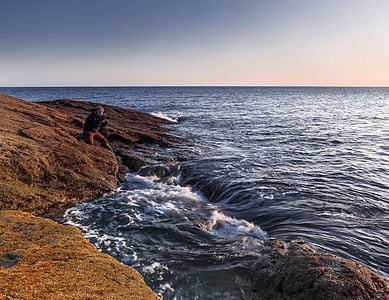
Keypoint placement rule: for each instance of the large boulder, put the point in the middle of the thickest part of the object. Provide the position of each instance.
(294, 271)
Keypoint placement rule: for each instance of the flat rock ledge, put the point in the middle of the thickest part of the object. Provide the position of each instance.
(45, 165)
(40, 259)
(294, 271)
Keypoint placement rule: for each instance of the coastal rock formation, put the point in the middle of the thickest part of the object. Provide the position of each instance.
(137, 138)
(40, 259)
(44, 165)
(293, 271)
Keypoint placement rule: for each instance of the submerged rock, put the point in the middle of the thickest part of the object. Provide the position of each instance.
(40, 259)
(293, 271)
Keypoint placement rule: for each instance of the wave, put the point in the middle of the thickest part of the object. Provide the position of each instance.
(167, 198)
(175, 118)
(170, 233)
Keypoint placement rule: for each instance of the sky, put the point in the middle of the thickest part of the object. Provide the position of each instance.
(194, 43)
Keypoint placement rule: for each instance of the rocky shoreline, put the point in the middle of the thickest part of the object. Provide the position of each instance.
(45, 167)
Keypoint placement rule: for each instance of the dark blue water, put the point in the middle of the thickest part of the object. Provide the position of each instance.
(286, 163)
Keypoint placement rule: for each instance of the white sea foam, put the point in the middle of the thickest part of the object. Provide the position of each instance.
(163, 288)
(172, 118)
(149, 201)
(173, 201)
(222, 225)
(148, 222)
(154, 267)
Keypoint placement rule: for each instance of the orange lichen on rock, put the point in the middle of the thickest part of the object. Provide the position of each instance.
(40, 259)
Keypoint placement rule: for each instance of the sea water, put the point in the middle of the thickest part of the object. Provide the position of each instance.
(288, 163)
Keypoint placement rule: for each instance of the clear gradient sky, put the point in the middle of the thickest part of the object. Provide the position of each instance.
(196, 42)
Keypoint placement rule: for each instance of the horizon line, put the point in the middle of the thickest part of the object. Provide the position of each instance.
(187, 86)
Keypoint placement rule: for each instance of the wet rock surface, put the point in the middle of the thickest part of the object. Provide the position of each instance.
(294, 271)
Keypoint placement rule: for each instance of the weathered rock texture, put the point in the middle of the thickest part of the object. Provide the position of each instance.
(293, 271)
(44, 165)
(40, 259)
(137, 138)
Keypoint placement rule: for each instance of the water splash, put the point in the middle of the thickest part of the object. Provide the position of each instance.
(175, 118)
(171, 234)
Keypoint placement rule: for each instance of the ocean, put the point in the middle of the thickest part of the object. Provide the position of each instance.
(287, 163)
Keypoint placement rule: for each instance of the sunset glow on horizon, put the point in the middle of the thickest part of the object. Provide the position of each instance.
(175, 42)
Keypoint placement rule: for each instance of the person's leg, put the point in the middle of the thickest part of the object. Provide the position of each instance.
(89, 137)
(102, 140)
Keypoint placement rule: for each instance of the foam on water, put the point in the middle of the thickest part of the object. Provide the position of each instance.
(172, 117)
(168, 232)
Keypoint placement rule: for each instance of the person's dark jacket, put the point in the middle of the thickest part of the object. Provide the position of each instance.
(94, 122)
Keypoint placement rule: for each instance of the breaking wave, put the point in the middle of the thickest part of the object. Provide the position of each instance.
(175, 118)
(171, 234)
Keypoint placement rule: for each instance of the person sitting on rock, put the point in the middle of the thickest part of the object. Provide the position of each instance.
(95, 121)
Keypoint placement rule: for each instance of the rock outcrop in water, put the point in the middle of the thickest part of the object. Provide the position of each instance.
(293, 271)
